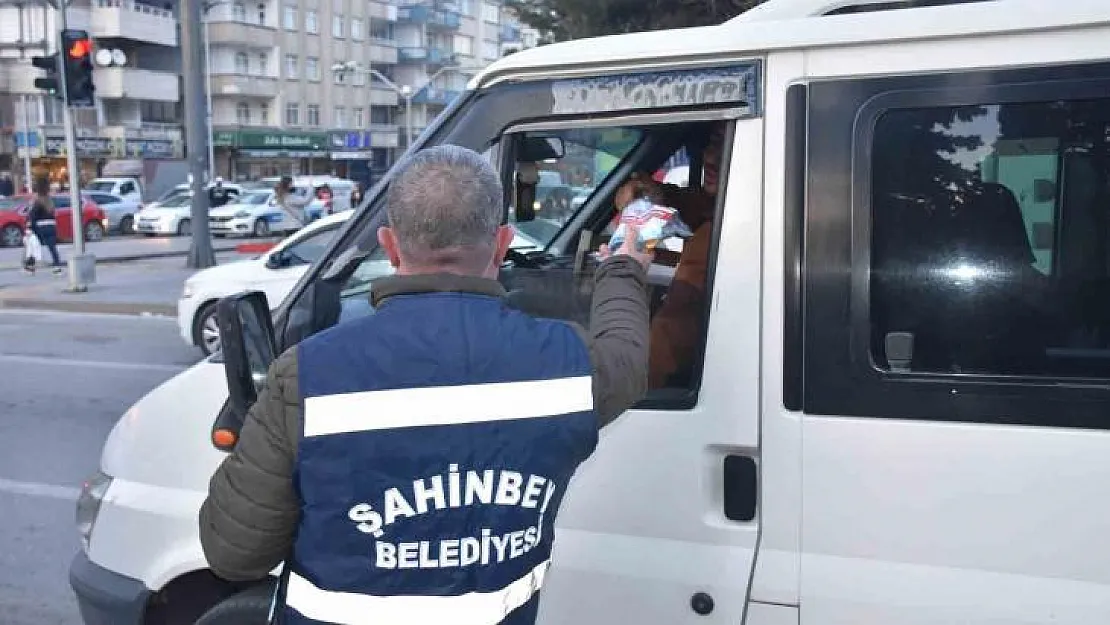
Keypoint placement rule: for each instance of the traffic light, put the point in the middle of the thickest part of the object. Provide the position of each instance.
(49, 83)
(77, 47)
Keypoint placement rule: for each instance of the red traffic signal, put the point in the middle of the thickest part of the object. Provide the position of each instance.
(80, 49)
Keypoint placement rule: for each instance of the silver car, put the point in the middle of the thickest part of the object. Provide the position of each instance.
(119, 210)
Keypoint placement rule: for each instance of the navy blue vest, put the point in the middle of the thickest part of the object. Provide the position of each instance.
(439, 437)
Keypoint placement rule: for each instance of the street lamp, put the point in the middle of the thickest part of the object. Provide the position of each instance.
(407, 92)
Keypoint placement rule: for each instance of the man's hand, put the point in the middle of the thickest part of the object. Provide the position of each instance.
(629, 247)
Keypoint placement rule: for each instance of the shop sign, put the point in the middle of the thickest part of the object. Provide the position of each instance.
(223, 139)
(351, 156)
(355, 140)
(87, 146)
(150, 148)
(261, 140)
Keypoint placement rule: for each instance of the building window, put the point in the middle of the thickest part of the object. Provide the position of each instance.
(491, 13)
(312, 68)
(289, 18)
(313, 115)
(263, 64)
(339, 78)
(243, 114)
(310, 22)
(464, 45)
(492, 50)
(242, 63)
(358, 79)
(239, 12)
(465, 7)
(359, 119)
(337, 26)
(291, 66)
(292, 114)
(340, 117)
(382, 31)
(356, 29)
(264, 114)
(381, 115)
(989, 240)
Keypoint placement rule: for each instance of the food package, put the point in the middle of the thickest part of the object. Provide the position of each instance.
(655, 224)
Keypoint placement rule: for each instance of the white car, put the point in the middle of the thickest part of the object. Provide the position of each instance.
(274, 273)
(172, 212)
(119, 210)
(255, 213)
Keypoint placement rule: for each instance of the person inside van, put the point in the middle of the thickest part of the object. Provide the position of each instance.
(676, 329)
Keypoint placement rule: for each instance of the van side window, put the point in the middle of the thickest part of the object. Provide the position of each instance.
(991, 240)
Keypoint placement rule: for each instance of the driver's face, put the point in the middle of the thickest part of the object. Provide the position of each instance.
(711, 168)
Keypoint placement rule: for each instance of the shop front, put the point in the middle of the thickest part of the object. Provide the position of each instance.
(357, 156)
(92, 153)
(247, 154)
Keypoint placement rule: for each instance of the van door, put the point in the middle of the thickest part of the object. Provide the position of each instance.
(661, 525)
(956, 354)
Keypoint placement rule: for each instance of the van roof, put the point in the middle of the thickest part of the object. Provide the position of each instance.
(787, 24)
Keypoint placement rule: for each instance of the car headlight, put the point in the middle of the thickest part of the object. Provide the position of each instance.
(188, 291)
(88, 505)
(242, 214)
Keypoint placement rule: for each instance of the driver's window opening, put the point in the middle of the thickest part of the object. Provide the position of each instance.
(567, 184)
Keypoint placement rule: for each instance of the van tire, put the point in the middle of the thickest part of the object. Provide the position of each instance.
(127, 225)
(203, 322)
(261, 228)
(250, 607)
(184, 228)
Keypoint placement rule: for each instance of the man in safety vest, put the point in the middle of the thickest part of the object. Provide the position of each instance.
(408, 466)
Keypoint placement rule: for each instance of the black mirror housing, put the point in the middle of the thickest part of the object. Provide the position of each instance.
(248, 346)
(534, 149)
(277, 260)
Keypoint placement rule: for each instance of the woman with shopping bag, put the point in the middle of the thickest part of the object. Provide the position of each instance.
(41, 222)
(32, 251)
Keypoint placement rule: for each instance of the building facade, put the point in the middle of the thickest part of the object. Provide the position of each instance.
(277, 106)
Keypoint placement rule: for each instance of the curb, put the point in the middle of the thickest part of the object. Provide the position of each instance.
(77, 306)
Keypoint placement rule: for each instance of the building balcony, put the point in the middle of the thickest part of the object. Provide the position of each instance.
(127, 19)
(240, 86)
(383, 96)
(431, 95)
(383, 12)
(421, 56)
(242, 34)
(383, 55)
(433, 18)
(510, 33)
(116, 83)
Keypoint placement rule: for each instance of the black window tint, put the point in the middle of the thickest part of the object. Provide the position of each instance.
(990, 230)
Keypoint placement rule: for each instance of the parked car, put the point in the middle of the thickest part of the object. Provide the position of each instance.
(274, 273)
(13, 219)
(255, 213)
(120, 210)
(174, 215)
(122, 186)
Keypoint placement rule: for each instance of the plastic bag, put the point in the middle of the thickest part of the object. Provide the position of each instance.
(32, 248)
(655, 224)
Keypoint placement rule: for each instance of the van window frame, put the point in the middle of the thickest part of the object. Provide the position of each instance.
(835, 255)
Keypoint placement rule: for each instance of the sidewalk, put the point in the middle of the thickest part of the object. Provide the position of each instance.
(149, 287)
(122, 249)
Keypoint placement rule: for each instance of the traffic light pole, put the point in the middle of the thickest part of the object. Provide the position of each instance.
(201, 254)
(82, 267)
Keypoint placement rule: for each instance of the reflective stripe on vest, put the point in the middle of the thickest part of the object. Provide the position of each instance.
(472, 608)
(45, 222)
(445, 405)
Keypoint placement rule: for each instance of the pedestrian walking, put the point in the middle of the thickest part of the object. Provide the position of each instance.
(41, 222)
(408, 466)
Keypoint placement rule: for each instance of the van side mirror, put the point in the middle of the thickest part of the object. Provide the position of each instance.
(248, 346)
(524, 196)
(277, 260)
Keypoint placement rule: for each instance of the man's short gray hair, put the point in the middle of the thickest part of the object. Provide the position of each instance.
(444, 199)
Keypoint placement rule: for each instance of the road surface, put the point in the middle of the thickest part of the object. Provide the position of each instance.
(127, 246)
(66, 379)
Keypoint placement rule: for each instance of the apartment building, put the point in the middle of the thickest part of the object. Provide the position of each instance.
(277, 106)
(138, 111)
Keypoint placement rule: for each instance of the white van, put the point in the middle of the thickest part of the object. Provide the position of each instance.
(900, 413)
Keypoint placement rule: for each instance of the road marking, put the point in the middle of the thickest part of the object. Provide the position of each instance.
(29, 312)
(37, 489)
(91, 364)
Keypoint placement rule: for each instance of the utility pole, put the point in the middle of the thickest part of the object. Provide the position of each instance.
(192, 66)
(26, 141)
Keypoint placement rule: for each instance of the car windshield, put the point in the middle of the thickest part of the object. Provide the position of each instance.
(180, 200)
(171, 194)
(100, 185)
(255, 198)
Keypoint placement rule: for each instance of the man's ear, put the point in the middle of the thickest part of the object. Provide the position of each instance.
(388, 241)
(505, 235)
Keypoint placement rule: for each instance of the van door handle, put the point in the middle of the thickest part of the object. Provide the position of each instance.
(741, 484)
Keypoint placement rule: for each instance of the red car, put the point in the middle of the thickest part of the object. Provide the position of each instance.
(13, 219)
